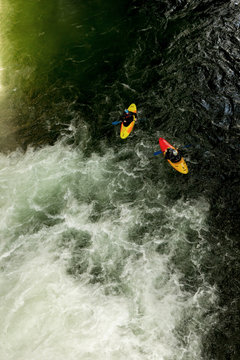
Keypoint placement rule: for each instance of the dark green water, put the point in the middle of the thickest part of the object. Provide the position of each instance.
(68, 70)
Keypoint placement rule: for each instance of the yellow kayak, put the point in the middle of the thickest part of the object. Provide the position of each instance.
(181, 165)
(125, 131)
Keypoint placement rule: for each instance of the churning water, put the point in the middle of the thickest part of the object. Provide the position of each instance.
(87, 246)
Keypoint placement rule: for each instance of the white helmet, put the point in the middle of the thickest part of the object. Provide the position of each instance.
(175, 152)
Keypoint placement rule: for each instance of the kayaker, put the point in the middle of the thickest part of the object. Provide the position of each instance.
(127, 117)
(173, 155)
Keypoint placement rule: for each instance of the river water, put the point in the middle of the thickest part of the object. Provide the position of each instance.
(106, 251)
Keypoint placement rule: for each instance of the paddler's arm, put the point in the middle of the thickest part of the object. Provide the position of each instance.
(134, 114)
(179, 152)
(122, 118)
(166, 154)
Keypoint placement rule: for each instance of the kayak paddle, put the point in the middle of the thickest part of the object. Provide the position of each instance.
(160, 152)
(119, 122)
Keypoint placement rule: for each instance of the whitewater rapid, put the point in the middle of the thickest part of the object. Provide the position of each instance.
(86, 250)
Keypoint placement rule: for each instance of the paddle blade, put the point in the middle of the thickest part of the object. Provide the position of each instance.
(158, 152)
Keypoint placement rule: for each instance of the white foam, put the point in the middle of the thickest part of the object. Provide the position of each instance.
(131, 310)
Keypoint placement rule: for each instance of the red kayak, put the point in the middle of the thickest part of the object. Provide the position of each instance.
(181, 165)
